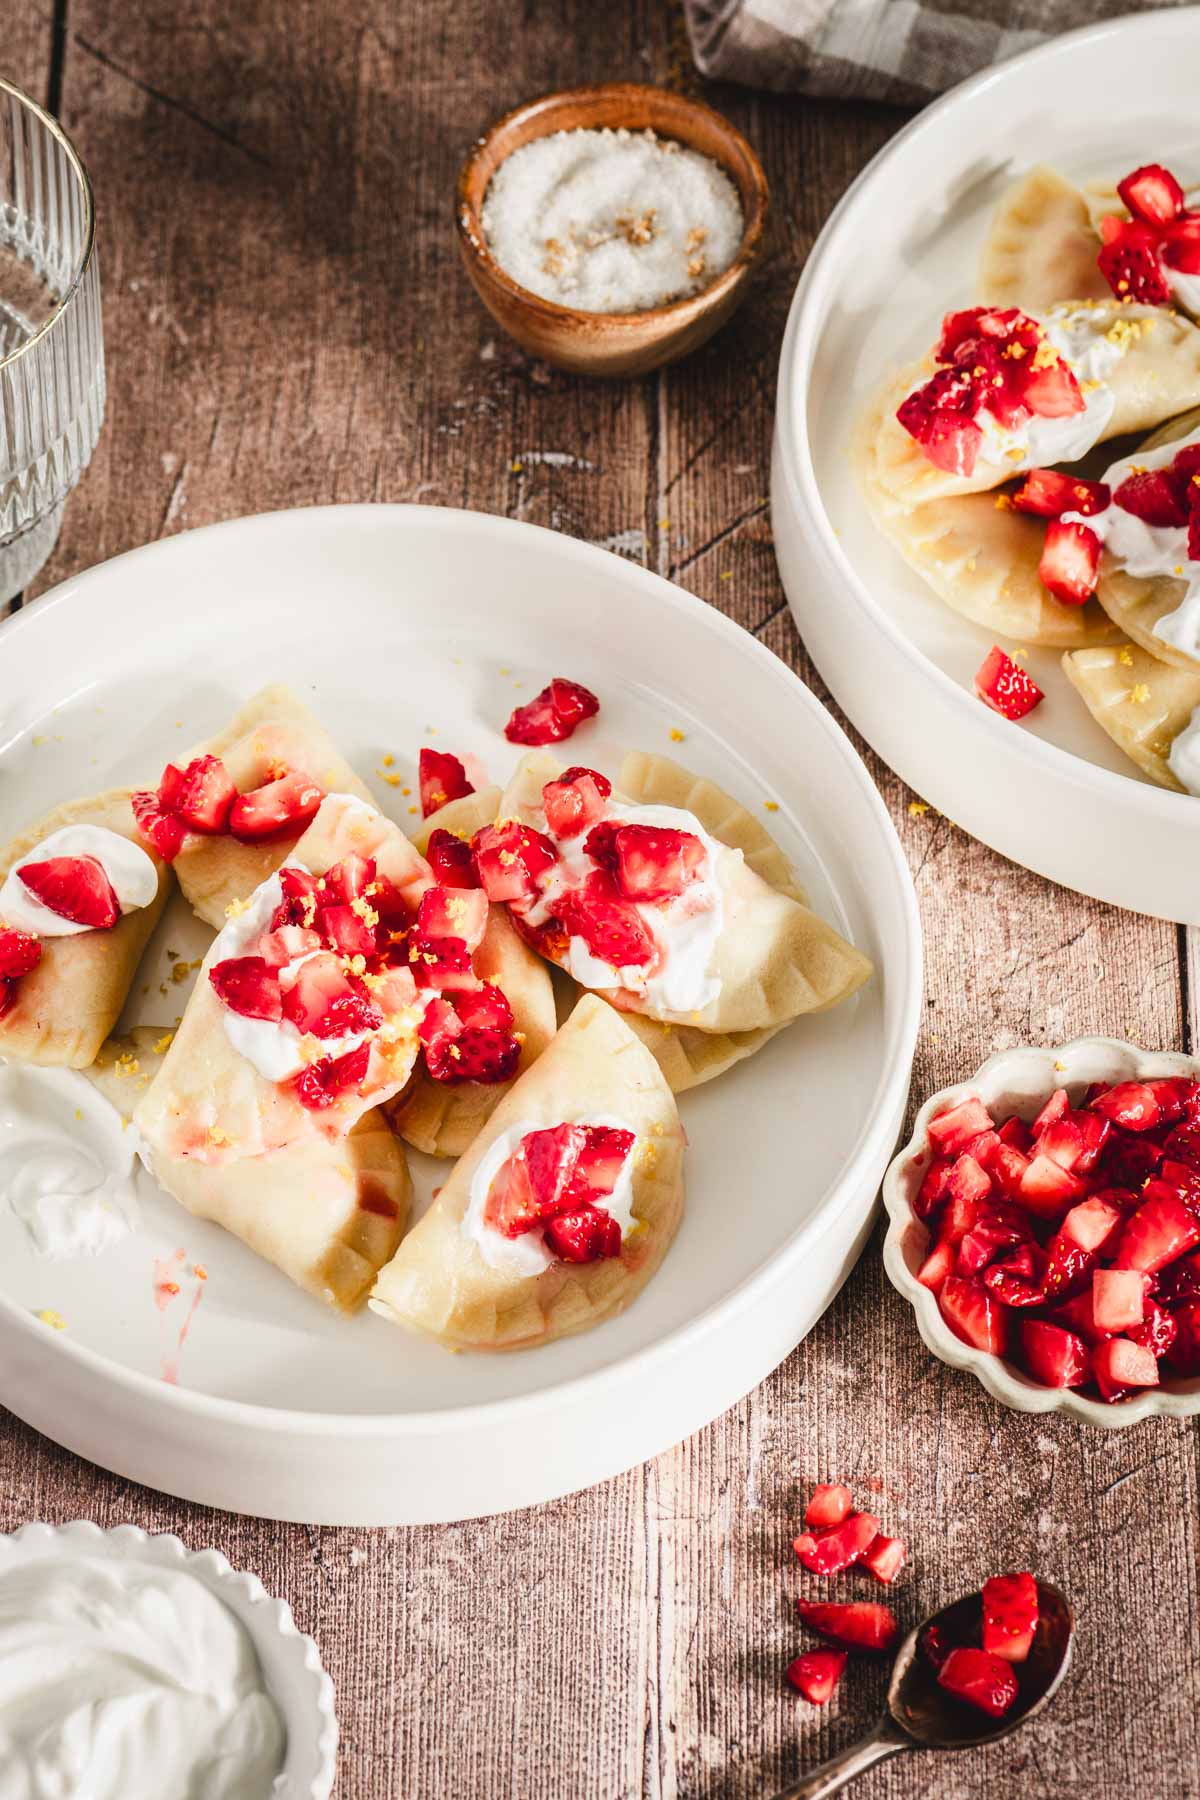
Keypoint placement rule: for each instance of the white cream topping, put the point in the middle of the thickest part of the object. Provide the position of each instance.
(130, 872)
(685, 929)
(1080, 336)
(1183, 758)
(527, 1254)
(1185, 289)
(121, 1678)
(1148, 551)
(67, 1169)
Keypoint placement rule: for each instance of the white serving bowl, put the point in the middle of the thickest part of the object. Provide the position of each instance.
(1020, 1081)
(290, 1662)
(1053, 793)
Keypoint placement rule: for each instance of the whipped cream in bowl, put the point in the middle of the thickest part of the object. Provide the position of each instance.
(130, 872)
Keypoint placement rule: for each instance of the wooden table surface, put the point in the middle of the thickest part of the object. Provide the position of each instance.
(287, 324)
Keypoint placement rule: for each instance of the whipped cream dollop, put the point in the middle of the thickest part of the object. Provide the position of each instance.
(131, 875)
(121, 1679)
(685, 929)
(528, 1254)
(1148, 551)
(1183, 758)
(67, 1169)
(1081, 336)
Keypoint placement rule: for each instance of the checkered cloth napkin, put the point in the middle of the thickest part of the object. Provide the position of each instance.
(900, 50)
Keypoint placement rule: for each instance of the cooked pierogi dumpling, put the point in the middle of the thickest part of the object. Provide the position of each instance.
(1042, 245)
(729, 953)
(1152, 609)
(459, 1279)
(61, 1011)
(1143, 704)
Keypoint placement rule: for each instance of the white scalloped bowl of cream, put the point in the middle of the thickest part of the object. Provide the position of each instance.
(131, 1665)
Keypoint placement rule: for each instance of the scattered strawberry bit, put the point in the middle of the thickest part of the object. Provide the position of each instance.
(1070, 563)
(829, 1505)
(1163, 233)
(983, 1680)
(74, 887)
(553, 714)
(1010, 1615)
(816, 1674)
(441, 778)
(20, 952)
(1004, 685)
(280, 808)
(161, 829)
(858, 1624)
(839, 1546)
(885, 1557)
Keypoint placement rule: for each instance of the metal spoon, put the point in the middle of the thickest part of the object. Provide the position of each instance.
(921, 1715)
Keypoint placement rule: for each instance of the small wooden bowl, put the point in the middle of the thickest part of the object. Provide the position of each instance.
(591, 343)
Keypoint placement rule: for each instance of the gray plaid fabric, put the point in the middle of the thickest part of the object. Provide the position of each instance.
(900, 50)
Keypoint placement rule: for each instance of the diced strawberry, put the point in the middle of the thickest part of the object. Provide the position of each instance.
(1118, 1298)
(247, 985)
(453, 913)
(440, 962)
(1180, 1281)
(816, 1674)
(323, 1000)
(8, 994)
(885, 1557)
(553, 714)
(1007, 1167)
(1152, 194)
(600, 1161)
(1051, 390)
(485, 1005)
(1068, 1267)
(1018, 1279)
(1049, 494)
(654, 862)
(997, 1228)
(937, 1265)
(1092, 1223)
(74, 887)
(1095, 1131)
(441, 778)
(1055, 1357)
(161, 829)
(1130, 262)
(324, 1082)
(932, 1190)
(951, 440)
(1152, 496)
(582, 1237)
(1005, 686)
(510, 857)
(973, 1314)
(953, 1130)
(933, 1646)
(1157, 1331)
(1161, 1229)
(1062, 1142)
(288, 943)
(1075, 1315)
(452, 860)
(1056, 1107)
(840, 1546)
(1183, 1358)
(1118, 1363)
(1047, 1190)
(20, 952)
(831, 1502)
(348, 880)
(575, 800)
(279, 807)
(550, 1156)
(347, 932)
(962, 1203)
(1016, 1134)
(201, 795)
(300, 897)
(1129, 1158)
(1010, 1615)
(981, 1679)
(483, 1053)
(859, 1624)
(1070, 564)
(610, 926)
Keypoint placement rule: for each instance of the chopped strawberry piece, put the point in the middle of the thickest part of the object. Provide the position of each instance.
(1118, 1363)
(1004, 685)
(973, 1314)
(510, 857)
(1056, 1107)
(1052, 391)
(1157, 1331)
(816, 1674)
(1129, 1158)
(485, 1005)
(1180, 1281)
(582, 1237)
(1054, 1356)
(299, 903)
(324, 1082)
(325, 1001)
(937, 1265)
(997, 1227)
(648, 862)
(575, 800)
(20, 952)
(1068, 1267)
(885, 1557)
(949, 439)
(1152, 496)
(830, 1504)
(1062, 1142)
(1047, 1190)
(967, 1189)
(441, 778)
(453, 913)
(161, 829)
(1183, 1358)
(1130, 261)
(953, 1130)
(933, 1646)
(8, 994)
(859, 1624)
(840, 1546)
(288, 943)
(452, 860)
(553, 714)
(600, 1161)
(247, 985)
(201, 795)
(550, 1156)
(483, 1053)
(1161, 1229)
(1015, 1133)
(440, 962)
(1092, 1223)
(1010, 1615)
(932, 1190)
(1181, 245)
(1018, 1279)
(1049, 494)
(1075, 1315)
(74, 887)
(280, 807)
(1070, 564)
(346, 931)
(981, 1679)
(610, 926)
(1152, 194)
(348, 880)
(1118, 1298)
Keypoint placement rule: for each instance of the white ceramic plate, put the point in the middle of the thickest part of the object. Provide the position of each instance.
(392, 622)
(1053, 793)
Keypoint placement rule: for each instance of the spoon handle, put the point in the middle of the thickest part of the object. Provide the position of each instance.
(855, 1759)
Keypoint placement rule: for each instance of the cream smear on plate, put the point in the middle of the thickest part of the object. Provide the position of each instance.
(611, 221)
(119, 1678)
(527, 1254)
(131, 875)
(67, 1169)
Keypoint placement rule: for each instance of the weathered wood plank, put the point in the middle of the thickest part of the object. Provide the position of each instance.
(27, 49)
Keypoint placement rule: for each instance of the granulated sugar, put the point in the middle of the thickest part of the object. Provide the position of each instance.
(611, 221)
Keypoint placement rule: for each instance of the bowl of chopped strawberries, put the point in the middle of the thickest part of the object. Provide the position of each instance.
(1045, 1225)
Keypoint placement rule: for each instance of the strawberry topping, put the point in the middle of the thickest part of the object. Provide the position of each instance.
(553, 714)
(441, 778)
(1070, 563)
(1162, 233)
(201, 796)
(1048, 494)
(282, 807)
(510, 857)
(575, 800)
(583, 1237)
(74, 887)
(324, 1082)
(647, 862)
(451, 860)
(324, 1000)
(468, 1036)
(248, 985)
(453, 912)
(1004, 685)
(161, 829)
(610, 926)
(981, 1679)
(20, 952)
(816, 1674)
(555, 1181)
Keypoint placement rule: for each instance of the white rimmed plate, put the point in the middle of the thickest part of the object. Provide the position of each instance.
(391, 621)
(1053, 793)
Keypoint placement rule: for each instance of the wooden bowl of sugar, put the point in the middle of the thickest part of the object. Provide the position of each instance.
(611, 229)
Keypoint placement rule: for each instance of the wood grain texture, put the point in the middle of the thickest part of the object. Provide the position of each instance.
(287, 324)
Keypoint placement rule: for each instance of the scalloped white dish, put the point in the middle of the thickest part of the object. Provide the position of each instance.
(390, 622)
(1020, 1081)
(1053, 793)
(290, 1662)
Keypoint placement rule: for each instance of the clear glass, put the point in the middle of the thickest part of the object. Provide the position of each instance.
(51, 341)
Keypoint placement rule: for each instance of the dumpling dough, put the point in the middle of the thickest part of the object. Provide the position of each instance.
(774, 959)
(439, 1284)
(1142, 704)
(442, 1118)
(66, 1007)
(1042, 246)
(207, 1101)
(1136, 603)
(273, 729)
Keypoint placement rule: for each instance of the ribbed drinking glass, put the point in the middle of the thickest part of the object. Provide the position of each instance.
(51, 343)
